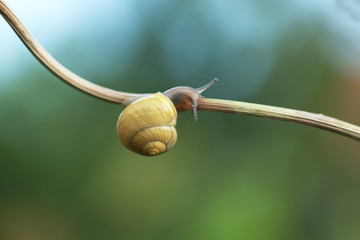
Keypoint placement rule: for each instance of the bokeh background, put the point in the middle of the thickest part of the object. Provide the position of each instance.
(65, 175)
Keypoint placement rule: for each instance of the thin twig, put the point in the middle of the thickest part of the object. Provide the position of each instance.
(205, 104)
(285, 114)
(54, 66)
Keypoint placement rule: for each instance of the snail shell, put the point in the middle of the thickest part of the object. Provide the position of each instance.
(147, 126)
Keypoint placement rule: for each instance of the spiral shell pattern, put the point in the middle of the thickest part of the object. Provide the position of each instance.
(147, 126)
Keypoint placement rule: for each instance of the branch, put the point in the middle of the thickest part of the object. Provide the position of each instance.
(54, 66)
(284, 114)
(203, 104)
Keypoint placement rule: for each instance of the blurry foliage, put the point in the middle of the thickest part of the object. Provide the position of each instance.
(65, 175)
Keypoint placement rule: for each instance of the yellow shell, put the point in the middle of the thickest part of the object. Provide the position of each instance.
(147, 126)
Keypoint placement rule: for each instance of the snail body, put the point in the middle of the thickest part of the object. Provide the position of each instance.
(147, 125)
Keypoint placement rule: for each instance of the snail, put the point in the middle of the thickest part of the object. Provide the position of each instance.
(147, 124)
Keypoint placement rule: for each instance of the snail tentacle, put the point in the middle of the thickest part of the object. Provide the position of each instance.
(203, 88)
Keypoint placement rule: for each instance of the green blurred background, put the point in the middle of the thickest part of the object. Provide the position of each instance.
(65, 175)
